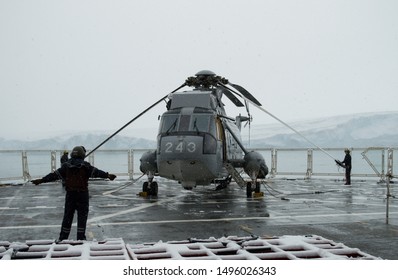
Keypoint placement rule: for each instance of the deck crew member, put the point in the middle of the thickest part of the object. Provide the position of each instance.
(346, 163)
(75, 173)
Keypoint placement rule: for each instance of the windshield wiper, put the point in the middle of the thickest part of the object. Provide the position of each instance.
(172, 127)
(195, 126)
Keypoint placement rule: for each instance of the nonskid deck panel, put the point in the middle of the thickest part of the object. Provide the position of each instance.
(287, 247)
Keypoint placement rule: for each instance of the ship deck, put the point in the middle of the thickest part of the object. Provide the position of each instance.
(354, 217)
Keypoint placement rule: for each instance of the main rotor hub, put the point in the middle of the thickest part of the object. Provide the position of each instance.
(205, 79)
(205, 73)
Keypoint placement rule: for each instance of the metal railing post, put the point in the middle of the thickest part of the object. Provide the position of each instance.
(383, 159)
(53, 161)
(390, 160)
(309, 163)
(25, 167)
(131, 164)
(274, 162)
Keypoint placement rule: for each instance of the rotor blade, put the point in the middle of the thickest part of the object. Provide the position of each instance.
(247, 108)
(231, 90)
(231, 97)
(245, 93)
(139, 115)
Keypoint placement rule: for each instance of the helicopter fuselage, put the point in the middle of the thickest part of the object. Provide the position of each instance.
(192, 141)
(198, 144)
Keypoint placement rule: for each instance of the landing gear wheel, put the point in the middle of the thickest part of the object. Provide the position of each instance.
(153, 189)
(249, 189)
(145, 187)
(150, 188)
(257, 189)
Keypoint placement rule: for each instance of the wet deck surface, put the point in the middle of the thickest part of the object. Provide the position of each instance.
(353, 215)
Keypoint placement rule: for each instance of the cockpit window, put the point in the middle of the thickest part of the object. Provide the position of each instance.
(169, 123)
(200, 123)
(184, 123)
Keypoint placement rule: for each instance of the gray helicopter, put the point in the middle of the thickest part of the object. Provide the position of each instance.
(198, 144)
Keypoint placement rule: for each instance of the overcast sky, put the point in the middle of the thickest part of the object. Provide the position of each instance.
(94, 65)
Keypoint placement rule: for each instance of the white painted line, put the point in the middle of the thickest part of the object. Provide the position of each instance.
(112, 205)
(381, 214)
(41, 207)
(92, 221)
(30, 227)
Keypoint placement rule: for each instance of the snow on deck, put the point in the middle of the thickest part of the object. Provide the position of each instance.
(226, 248)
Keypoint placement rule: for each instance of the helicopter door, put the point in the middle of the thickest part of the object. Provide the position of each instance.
(221, 137)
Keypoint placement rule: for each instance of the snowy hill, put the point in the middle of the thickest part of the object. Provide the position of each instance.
(90, 141)
(358, 130)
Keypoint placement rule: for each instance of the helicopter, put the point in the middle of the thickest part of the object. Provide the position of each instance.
(198, 143)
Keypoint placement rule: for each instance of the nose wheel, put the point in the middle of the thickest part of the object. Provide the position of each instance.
(149, 188)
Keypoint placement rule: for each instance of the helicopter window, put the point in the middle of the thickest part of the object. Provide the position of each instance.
(169, 123)
(200, 123)
(195, 123)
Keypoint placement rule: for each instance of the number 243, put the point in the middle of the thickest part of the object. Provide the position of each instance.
(180, 147)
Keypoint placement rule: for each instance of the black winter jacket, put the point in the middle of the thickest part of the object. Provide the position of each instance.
(347, 161)
(75, 173)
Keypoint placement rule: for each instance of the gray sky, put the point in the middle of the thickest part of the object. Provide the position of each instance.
(94, 65)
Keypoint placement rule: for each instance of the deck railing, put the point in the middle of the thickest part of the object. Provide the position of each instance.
(373, 162)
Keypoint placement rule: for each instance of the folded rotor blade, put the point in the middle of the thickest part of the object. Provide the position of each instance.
(245, 93)
(231, 97)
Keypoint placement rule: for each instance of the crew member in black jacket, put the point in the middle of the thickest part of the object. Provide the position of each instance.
(75, 173)
(346, 163)
(65, 157)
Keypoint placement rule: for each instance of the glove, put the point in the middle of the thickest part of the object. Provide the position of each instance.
(339, 163)
(37, 181)
(111, 177)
